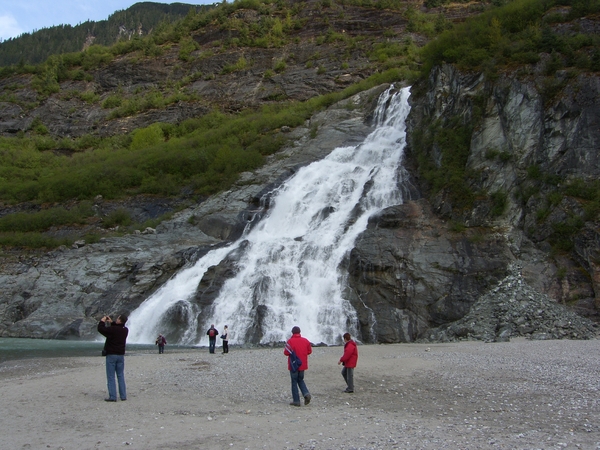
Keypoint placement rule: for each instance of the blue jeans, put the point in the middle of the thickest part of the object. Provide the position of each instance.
(298, 382)
(211, 345)
(115, 364)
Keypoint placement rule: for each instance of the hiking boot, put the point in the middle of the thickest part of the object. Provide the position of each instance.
(307, 399)
(295, 404)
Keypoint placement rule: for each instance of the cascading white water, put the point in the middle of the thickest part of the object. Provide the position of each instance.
(290, 264)
(145, 322)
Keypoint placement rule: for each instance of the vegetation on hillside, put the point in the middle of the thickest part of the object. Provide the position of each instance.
(518, 34)
(523, 37)
(206, 154)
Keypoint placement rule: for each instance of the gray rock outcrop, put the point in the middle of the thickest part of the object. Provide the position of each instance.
(514, 309)
(427, 262)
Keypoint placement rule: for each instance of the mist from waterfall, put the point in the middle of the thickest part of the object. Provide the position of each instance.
(290, 270)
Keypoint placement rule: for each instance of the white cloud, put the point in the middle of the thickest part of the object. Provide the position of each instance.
(9, 27)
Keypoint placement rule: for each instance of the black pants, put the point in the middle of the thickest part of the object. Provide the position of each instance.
(225, 347)
(348, 375)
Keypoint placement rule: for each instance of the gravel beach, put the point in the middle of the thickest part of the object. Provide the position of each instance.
(467, 395)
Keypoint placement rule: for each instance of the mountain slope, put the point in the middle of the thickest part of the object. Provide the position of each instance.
(138, 20)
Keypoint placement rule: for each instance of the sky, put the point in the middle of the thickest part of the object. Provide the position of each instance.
(26, 16)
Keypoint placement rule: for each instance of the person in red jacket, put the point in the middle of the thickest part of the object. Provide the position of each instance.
(301, 346)
(349, 360)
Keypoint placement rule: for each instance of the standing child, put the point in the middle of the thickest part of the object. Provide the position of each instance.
(349, 360)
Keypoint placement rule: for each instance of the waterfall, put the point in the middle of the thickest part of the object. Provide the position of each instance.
(289, 270)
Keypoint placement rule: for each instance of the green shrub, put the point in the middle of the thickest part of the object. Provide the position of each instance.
(240, 64)
(118, 217)
(38, 127)
(582, 189)
(505, 156)
(89, 97)
(499, 203)
(112, 101)
(554, 198)
(457, 227)
(534, 173)
(44, 219)
(147, 137)
(186, 46)
(87, 141)
(31, 240)
(43, 143)
(280, 66)
(491, 153)
(542, 213)
(564, 232)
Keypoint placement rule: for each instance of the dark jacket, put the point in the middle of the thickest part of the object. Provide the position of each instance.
(116, 336)
(301, 347)
(214, 336)
(350, 356)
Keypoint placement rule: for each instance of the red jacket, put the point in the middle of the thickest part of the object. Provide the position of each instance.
(350, 356)
(302, 348)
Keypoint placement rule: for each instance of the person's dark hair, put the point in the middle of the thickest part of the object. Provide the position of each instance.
(347, 336)
(123, 319)
(296, 330)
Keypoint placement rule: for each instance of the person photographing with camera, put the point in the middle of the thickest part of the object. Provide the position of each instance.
(116, 336)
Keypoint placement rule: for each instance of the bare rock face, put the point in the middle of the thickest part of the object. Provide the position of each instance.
(514, 309)
(410, 273)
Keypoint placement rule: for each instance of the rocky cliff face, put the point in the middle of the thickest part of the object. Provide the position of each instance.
(425, 263)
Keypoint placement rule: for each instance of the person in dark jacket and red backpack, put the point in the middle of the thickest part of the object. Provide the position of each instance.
(301, 346)
(212, 334)
(349, 360)
(161, 341)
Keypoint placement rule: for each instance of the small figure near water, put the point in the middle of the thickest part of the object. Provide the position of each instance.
(349, 360)
(212, 334)
(225, 337)
(302, 348)
(161, 341)
(116, 337)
